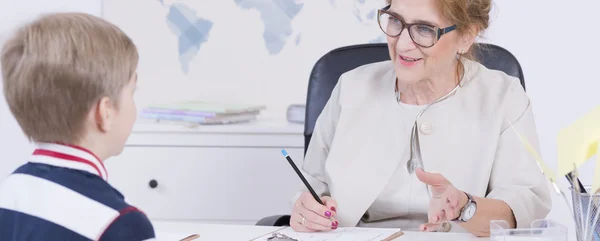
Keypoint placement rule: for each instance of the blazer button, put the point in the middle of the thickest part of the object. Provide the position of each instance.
(426, 128)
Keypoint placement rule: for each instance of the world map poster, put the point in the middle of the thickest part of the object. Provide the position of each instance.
(244, 51)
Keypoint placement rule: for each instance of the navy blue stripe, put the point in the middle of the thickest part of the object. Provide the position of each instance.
(16, 226)
(85, 183)
(131, 225)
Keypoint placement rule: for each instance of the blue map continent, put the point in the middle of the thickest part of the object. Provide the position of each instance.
(277, 17)
(191, 31)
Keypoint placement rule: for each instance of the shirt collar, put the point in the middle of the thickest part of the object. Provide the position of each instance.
(69, 156)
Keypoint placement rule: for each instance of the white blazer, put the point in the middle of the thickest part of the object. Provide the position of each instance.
(358, 142)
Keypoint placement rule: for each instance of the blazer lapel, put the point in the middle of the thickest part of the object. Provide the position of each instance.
(357, 177)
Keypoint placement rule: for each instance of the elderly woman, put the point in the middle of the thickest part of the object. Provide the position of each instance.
(424, 141)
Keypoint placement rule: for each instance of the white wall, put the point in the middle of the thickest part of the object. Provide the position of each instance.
(557, 47)
(555, 42)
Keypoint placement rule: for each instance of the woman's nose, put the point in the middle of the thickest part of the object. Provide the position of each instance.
(404, 42)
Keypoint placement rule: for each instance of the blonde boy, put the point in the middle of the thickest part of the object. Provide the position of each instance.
(69, 80)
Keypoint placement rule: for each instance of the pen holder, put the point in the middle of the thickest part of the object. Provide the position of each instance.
(541, 229)
(586, 221)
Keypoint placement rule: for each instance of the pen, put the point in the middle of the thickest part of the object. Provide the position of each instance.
(312, 191)
(572, 180)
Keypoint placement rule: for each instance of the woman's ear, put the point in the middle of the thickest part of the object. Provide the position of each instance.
(467, 40)
(104, 114)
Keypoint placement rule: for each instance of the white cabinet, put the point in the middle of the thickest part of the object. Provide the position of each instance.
(223, 174)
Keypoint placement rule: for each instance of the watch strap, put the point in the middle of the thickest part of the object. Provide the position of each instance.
(470, 200)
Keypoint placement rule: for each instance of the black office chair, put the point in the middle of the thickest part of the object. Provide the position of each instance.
(331, 66)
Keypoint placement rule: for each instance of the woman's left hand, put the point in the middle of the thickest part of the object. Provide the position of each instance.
(446, 201)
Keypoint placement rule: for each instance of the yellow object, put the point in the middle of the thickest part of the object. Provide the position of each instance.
(545, 169)
(596, 183)
(578, 142)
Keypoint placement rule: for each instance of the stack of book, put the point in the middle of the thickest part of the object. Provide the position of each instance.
(197, 112)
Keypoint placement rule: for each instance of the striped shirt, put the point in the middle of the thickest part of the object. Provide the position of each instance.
(62, 193)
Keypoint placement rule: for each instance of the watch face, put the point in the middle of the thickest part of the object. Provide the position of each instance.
(470, 211)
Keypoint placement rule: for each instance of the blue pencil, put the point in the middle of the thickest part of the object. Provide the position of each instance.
(312, 191)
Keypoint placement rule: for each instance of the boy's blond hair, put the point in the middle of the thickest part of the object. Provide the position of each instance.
(58, 67)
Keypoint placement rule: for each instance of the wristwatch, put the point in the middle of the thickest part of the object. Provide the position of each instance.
(468, 211)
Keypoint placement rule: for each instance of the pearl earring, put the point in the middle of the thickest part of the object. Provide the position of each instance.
(462, 51)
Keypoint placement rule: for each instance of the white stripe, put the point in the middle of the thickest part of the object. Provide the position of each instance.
(50, 201)
(62, 163)
(73, 152)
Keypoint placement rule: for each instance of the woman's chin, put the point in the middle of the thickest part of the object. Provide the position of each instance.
(407, 78)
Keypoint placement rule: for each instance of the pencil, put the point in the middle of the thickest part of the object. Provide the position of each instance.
(191, 237)
(394, 236)
(310, 189)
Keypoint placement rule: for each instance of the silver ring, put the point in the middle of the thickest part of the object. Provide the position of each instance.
(444, 227)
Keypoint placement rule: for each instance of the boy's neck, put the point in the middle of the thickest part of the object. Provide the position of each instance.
(69, 155)
(95, 148)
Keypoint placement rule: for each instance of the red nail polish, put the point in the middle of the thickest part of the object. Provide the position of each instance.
(333, 209)
(333, 224)
(328, 213)
(334, 227)
(336, 223)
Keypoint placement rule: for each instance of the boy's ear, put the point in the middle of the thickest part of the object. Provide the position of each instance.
(104, 114)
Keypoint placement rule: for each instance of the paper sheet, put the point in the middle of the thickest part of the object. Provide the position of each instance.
(513, 238)
(579, 142)
(345, 234)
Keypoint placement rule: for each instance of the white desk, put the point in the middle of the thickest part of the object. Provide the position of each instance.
(218, 232)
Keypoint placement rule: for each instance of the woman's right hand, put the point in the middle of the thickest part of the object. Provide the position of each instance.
(316, 217)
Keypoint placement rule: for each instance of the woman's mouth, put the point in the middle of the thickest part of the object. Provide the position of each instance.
(408, 61)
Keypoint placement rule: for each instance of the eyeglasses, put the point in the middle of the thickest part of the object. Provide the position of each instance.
(424, 35)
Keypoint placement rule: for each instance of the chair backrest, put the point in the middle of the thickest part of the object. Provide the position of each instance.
(331, 66)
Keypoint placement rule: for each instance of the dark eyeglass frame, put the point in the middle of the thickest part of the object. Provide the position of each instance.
(439, 31)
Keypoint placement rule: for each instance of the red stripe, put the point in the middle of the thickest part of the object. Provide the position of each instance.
(91, 153)
(67, 157)
(121, 213)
